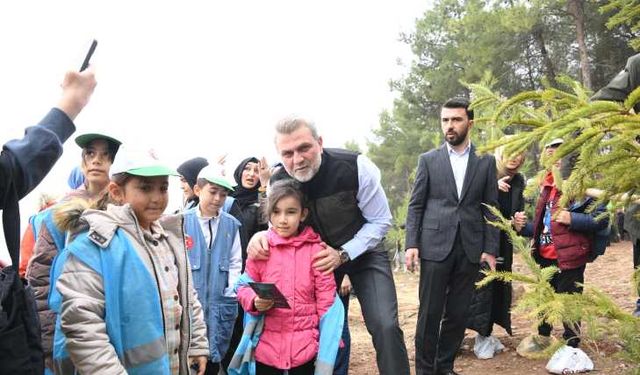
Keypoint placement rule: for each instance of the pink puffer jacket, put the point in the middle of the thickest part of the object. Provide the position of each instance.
(290, 336)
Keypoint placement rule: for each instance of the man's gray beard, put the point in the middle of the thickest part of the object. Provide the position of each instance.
(304, 178)
(313, 170)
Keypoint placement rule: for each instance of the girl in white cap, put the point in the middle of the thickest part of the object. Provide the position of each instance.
(123, 289)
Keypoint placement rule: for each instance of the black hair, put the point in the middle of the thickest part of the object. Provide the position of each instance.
(459, 102)
(112, 148)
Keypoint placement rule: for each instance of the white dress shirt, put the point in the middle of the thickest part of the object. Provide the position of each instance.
(209, 227)
(459, 163)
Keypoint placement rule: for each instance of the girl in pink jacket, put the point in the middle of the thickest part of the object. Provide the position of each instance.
(289, 340)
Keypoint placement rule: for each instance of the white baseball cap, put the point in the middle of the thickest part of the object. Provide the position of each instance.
(139, 163)
(554, 142)
(213, 174)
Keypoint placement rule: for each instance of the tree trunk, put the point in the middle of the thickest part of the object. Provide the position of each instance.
(538, 37)
(576, 9)
(532, 82)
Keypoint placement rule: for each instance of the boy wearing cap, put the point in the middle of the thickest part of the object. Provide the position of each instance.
(213, 245)
(123, 288)
(98, 152)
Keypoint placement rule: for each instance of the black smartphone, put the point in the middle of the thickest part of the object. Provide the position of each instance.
(85, 63)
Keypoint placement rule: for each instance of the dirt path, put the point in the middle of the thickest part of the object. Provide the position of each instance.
(611, 273)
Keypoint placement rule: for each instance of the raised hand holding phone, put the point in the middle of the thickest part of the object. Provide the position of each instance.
(87, 58)
(77, 87)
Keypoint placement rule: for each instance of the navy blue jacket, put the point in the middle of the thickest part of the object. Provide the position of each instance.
(24, 163)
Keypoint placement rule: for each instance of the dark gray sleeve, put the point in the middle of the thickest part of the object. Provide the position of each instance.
(417, 204)
(28, 160)
(623, 83)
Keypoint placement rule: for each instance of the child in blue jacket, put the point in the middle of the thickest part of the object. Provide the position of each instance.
(213, 245)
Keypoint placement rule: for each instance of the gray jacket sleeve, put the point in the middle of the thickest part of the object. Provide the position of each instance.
(199, 343)
(622, 84)
(82, 320)
(417, 204)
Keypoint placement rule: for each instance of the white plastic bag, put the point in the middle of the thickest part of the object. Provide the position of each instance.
(487, 346)
(568, 360)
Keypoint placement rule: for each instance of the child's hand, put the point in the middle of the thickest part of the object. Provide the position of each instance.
(519, 220)
(199, 363)
(262, 305)
(564, 217)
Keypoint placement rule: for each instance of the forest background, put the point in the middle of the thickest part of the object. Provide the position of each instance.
(506, 46)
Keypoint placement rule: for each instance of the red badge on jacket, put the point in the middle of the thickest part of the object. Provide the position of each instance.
(188, 242)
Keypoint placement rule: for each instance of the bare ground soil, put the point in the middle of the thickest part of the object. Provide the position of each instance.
(610, 273)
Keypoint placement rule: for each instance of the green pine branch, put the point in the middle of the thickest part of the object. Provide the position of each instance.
(601, 317)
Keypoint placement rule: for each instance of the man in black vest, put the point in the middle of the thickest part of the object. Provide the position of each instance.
(349, 209)
(446, 228)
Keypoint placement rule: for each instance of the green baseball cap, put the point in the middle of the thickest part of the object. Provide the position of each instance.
(214, 175)
(84, 139)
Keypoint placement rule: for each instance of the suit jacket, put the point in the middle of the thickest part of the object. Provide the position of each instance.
(435, 210)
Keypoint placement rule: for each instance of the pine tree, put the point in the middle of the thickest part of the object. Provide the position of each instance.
(600, 316)
(602, 135)
(626, 13)
(604, 138)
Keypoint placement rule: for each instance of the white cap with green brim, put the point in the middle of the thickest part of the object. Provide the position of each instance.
(214, 174)
(139, 163)
(554, 142)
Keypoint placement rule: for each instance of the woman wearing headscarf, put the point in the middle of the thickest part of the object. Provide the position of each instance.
(252, 176)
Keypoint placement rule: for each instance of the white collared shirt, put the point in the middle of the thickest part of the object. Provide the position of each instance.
(459, 163)
(209, 227)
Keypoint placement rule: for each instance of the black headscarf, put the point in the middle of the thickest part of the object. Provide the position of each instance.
(190, 169)
(244, 196)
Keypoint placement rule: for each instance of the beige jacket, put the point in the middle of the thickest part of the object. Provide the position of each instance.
(83, 295)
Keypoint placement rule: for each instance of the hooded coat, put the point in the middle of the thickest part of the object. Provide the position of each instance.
(290, 336)
(83, 308)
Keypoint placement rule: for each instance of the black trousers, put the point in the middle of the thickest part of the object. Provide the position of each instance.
(564, 282)
(445, 293)
(306, 369)
(372, 280)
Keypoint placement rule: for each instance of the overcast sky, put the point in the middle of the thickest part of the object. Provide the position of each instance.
(203, 78)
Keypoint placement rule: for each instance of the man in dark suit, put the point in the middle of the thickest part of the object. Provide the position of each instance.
(446, 228)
